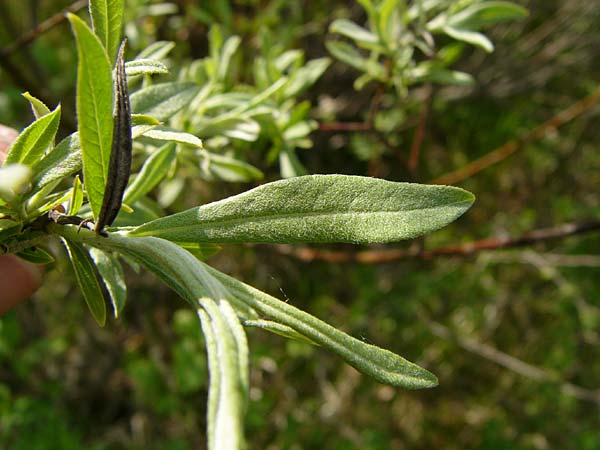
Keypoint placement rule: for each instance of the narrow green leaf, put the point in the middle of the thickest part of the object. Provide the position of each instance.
(94, 111)
(107, 18)
(145, 67)
(481, 14)
(383, 365)
(305, 76)
(155, 168)
(76, 197)
(36, 255)
(87, 279)
(227, 51)
(167, 134)
(214, 390)
(236, 127)
(224, 168)
(388, 22)
(63, 161)
(431, 74)
(288, 59)
(111, 271)
(317, 208)
(37, 106)
(143, 119)
(351, 56)
(8, 227)
(32, 142)
(353, 31)
(470, 37)
(163, 100)
(299, 130)
(227, 357)
(157, 50)
(194, 280)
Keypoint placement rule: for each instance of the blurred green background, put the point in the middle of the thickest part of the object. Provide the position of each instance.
(512, 334)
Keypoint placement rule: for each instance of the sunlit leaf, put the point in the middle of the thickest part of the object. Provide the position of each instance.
(107, 17)
(32, 142)
(94, 111)
(145, 67)
(317, 208)
(37, 106)
(163, 100)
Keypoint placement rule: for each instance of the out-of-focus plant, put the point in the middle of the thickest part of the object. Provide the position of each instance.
(405, 45)
(398, 46)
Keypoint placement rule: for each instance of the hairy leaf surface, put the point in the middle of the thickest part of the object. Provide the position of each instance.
(317, 208)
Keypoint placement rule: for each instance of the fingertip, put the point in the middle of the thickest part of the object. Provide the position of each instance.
(19, 279)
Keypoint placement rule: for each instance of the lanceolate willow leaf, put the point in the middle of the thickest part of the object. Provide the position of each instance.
(107, 16)
(111, 271)
(37, 106)
(192, 279)
(88, 281)
(226, 343)
(94, 111)
(383, 365)
(163, 100)
(317, 208)
(33, 141)
(63, 161)
(145, 67)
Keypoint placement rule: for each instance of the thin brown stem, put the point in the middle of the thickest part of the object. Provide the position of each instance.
(507, 149)
(344, 126)
(44, 26)
(382, 256)
(511, 363)
(417, 143)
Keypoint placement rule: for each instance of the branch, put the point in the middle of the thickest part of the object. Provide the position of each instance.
(344, 126)
(417, 143)
(514, 364)
(510, 147)
(381, 256)
(44, 26)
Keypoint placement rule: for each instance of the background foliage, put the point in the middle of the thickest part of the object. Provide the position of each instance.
(141, 381)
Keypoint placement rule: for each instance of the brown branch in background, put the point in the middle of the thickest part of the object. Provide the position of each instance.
(23, 80)
(511, 363)
(44, 26)
(308, 254)
(504, 151)
(417, 143)
(375, 104)
(344, 126)
(367, 125)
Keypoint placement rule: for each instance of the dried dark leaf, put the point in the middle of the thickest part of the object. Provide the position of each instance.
(119, 167)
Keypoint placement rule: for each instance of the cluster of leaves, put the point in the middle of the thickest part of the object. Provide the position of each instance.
(37, 205)
(400, 45)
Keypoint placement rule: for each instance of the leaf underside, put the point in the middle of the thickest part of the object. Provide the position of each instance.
(317, 208)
